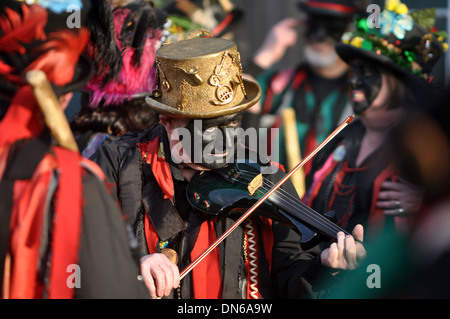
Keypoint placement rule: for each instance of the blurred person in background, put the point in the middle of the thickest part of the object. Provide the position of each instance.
(62, 234)
(113, 100)
(314, 92)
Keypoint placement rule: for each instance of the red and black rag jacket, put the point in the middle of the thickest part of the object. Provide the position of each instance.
(337, 184)
(57, 218)
(151, 191)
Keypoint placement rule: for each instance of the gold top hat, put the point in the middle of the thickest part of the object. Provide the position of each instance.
(201, 78)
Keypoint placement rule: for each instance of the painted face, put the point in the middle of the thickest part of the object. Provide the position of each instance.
(321, 29)
(213, 141)
(365, 84)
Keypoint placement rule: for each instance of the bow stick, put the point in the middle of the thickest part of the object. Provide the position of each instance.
(262, 199)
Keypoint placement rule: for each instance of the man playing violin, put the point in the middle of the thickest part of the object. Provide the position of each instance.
(200, 97)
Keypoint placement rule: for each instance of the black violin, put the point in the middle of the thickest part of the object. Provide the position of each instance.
(230, 189)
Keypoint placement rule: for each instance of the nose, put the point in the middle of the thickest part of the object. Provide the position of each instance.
(355, 79)
(316, 33)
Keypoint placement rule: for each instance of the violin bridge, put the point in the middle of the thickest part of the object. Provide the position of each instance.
(255, 184)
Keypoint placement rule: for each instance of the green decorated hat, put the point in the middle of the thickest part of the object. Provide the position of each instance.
(405, 42)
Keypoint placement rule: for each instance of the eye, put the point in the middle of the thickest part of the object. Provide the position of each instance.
(211, 129)
(368, 71)
(231, 124)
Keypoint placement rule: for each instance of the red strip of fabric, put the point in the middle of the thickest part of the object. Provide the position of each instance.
(29, 200)
(319, 177)
(331, 6)
(160, 167)
(150, 235)
(228, 19)
(376, 214)
(206, 276)
(299, 79)
(268, 101)
(310, 145)
(67, 223)
(22, 120)
(268, 240)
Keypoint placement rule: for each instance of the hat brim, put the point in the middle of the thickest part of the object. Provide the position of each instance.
(252, 89)
(344, 12)
(417, 85)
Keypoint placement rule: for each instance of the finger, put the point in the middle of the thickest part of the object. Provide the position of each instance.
(333, 254)
(386, 204)
(389, 195)
(329, 256)
(396, 212)
(392, 185)
(292, 22)
(160, 281)
(358, 232)
(149, 283)
(341, 245)
(168, 280)
(350, 252)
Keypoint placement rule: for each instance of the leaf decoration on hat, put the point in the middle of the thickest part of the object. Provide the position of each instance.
(60, 54)
(19, 29)
(425, 17)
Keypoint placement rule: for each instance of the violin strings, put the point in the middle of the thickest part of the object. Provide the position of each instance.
(320, 220)
(294, 203)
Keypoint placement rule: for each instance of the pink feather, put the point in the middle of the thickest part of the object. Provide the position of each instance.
(133, 79)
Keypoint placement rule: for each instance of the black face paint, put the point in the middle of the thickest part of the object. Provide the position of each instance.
(320, 28)
(364, 85)
(213, 141)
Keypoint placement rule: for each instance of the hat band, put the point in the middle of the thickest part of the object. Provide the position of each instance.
(331, 6)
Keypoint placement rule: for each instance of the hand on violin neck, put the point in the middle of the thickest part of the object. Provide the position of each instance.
(347, 252)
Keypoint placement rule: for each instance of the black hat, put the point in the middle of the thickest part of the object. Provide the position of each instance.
(45, 35)
(401, 44)
(333, 8)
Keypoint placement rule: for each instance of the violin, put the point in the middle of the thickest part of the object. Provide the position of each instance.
(230, 190)
(230, 194)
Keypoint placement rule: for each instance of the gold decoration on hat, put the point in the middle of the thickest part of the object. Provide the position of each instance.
(425, 46)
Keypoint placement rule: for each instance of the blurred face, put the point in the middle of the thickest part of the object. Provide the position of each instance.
(321, 34)
(325, 29)
(370, 94)
(365, 84)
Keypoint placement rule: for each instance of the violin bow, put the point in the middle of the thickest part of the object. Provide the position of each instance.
(263, 198)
